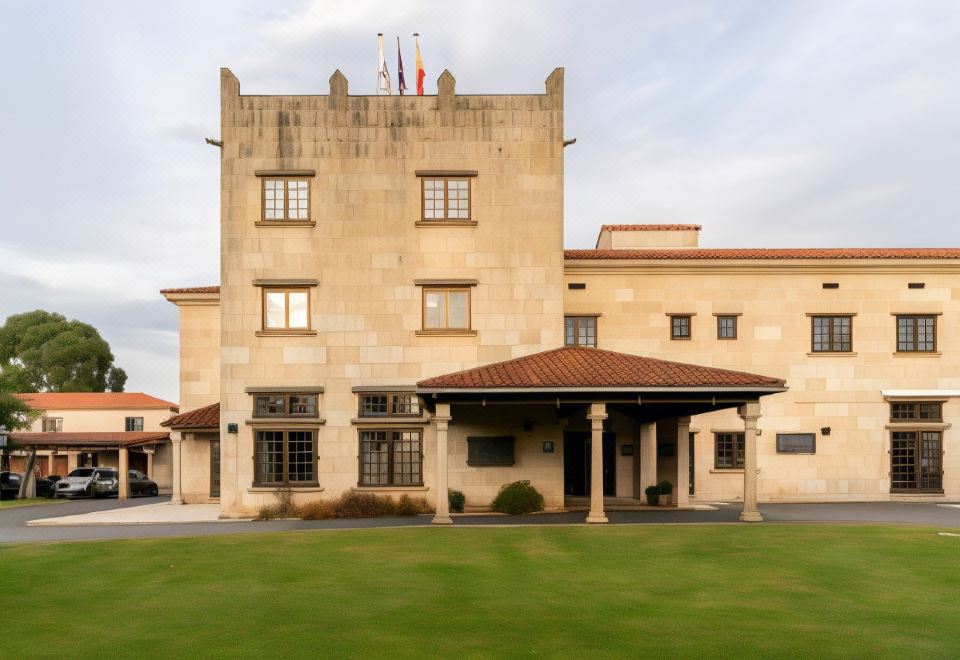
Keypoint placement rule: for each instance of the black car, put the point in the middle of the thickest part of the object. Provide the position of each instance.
(10, 486)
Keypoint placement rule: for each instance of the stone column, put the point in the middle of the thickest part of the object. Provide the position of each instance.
(682, 497)
(598, 413)
(441, 419)
(176, 439)
(150, 464)
(648, 457)
(750, 413)
(123, 468)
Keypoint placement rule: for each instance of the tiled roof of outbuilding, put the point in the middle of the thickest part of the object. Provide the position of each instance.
(682, 254)
(93, 401)
(90, 439)
(207, 417)
(575, 367)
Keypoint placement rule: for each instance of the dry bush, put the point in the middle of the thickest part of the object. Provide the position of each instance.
(318, 510)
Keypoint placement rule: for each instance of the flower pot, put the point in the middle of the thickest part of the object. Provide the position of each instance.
(664, 500)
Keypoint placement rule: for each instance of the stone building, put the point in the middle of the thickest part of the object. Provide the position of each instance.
(397, 314)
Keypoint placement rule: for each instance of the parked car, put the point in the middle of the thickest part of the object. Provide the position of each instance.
(10, 486)
(104, 482)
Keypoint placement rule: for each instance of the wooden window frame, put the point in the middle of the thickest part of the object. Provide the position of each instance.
(446, 310)
(736, 454)
(504, 439)
(916, 334)
(285, 482)
(392, 398)
(126, 423)
(918, 459)
(390, 439)
(286, 396)
(915, 407)
(577, 318)
(286, 308)
(673, 335)
(446, 188)
(831, 334)
(285, 221)
(720, 318)
(58, 424)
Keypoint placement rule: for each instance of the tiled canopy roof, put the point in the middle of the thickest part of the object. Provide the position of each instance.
(679, 254)
(193, 289)
(93, 400)
(650, 228)
(573, 367)
(207, 417)
(90, 439)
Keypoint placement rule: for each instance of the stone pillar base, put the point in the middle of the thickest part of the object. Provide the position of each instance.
(751, 516)
(441, 520)
(596, 519)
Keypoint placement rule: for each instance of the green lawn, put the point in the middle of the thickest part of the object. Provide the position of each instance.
(677, 591)
(30, 501)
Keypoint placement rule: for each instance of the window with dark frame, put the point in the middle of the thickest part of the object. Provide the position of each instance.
(446, 198)
(286, 405)
(446, 308)
(680, 327)
(491, 451)
(286, 199)
(391, 457)
(916, 334)
(52, 424)
(796, 443)
(580, 331)
(916, 411)
(726, 327)
(389, 404)
(286, 309)
(285, 457)
(916, 461)
(831, 334)
(728, 451)
(133, 424)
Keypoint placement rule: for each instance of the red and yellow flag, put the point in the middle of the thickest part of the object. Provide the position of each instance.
(420, 71)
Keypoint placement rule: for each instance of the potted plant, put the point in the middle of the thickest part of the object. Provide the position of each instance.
(665, 488)
(653, 495)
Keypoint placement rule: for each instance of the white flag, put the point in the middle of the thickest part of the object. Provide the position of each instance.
(383, 75)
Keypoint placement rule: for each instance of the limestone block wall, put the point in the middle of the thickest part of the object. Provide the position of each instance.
(366, 250)
(773, 301)
(199, 355)
(195, 467)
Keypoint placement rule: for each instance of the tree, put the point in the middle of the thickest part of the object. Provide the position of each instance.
(14, 415)
(42, 352)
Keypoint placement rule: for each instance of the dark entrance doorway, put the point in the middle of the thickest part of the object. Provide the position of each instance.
(577, 463)
(215, 468)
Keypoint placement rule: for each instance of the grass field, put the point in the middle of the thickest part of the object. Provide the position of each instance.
(675, 591)
(30, 501)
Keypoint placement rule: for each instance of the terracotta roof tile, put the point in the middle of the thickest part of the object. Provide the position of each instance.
(650, 228)
(89, 439)
(207, 417)
(681, 254)
(193, 289)
(94, 401)
(574, 367)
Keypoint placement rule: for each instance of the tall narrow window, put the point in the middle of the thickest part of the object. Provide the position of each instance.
(390, 457)
(916, 334)
(446, 309)
(728, 451)
(286, 309)
(446, 198)
(831, 334)
(680, 327)
(726, 327)
(286, 200)
(916, 461)
(580, 331)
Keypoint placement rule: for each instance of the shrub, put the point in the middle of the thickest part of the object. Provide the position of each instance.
(283, 508)
(318, 510)
(364, 505)
(517, 498)
(409, 506)
(653, 495)
(457, 501)
(665, 487)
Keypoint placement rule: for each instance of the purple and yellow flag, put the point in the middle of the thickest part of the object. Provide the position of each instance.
(401, 83)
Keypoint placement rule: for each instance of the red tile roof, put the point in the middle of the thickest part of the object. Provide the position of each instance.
(121, 438)
(574, 367)
(681, 254)
(94, 401)
(193, 289)
(650, 228)
(207, 417)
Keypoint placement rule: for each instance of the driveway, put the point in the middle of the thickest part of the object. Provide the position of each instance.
(14, 530)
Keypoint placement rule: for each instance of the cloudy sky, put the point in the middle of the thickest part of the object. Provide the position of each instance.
(770, 123)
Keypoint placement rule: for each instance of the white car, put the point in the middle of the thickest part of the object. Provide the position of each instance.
(89, 482)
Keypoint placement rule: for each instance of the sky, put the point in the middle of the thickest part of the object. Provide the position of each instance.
(771, 124)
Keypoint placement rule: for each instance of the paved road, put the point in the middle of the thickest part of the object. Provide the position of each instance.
(13, 530)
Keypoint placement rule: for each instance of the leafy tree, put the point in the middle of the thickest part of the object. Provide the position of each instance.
(42, 351)
(14, 415)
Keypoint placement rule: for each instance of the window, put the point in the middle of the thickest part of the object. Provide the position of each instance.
(832, 334)
(446, 309)
(916, 461)
(729, 449)
(580, 331)
(52, 424)
(920, 411)
(285, 457)
(391, 458)
(286, 200)
(796, 443)
(446, 198)
(490, 450)
(916, 334)
(386, 404)
(680, 327)
(285, 405)
(726, 327)
(286, 309)
(134, 424)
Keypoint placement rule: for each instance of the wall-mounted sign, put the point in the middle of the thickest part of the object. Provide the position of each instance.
(548, 446)
(626, 450)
